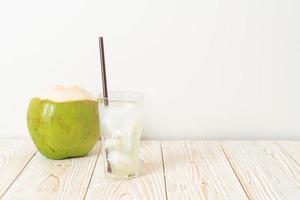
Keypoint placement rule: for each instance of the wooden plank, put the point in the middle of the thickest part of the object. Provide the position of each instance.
(149, 185)
(265, 171)
(14, 156)
(291, 148)
(54, 179)
(199, 170)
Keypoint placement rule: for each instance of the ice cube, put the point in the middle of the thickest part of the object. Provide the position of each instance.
(119, 118)
(118, 158)
(111, 143)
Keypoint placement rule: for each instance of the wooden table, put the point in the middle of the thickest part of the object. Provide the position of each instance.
(168, 170)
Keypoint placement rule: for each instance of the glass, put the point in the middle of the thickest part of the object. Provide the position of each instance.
(121, 128)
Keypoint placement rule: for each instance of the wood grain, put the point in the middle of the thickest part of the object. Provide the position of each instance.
(54, 179)
(149, 185)
(192, 169)
(199, 170)
(291, 148)
(14, 155)
(265, 171)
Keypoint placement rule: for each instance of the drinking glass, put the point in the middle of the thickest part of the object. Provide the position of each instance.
(121, 128)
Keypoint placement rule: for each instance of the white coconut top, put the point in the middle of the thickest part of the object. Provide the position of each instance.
(60, 93)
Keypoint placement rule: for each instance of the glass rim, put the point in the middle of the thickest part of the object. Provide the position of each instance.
(122, 96)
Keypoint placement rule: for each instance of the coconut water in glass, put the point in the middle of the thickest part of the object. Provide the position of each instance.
(121, 129)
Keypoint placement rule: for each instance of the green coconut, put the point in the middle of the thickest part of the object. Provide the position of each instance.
(63, 122)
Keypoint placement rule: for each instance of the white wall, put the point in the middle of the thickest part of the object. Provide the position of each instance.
(209, 69)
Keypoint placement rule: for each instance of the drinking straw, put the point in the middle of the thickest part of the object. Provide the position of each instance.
(103, 71)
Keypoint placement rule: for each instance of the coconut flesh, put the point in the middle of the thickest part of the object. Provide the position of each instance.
(63, 122)
(61, 93)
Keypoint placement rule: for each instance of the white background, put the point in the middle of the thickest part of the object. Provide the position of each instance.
(209, 69)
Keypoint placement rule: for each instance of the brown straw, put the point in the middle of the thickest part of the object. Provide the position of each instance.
(103, 71)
